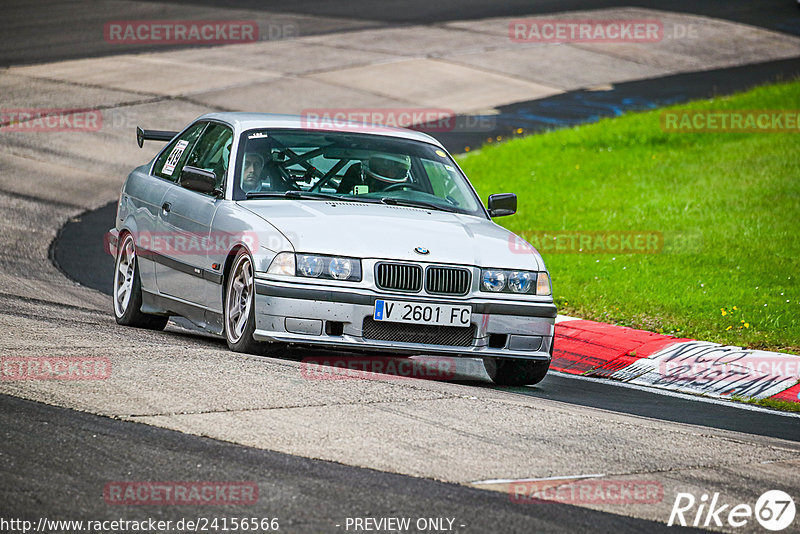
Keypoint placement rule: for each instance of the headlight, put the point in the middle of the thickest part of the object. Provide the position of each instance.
(518, 282)
(521, 281)
(316, 266)
(340, 268)
(282, 264)
(493, 280)
(310, 266)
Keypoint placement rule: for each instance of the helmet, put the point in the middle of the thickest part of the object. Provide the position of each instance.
(391, 168)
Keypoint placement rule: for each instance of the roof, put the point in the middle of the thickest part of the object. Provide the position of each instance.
(243, 121)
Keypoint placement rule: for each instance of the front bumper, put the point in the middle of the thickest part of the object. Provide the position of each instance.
(302, 313)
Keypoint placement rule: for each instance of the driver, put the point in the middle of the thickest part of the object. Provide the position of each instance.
(251, 172)
(378, 172)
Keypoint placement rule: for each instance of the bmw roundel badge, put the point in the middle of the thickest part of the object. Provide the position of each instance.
(422, 250)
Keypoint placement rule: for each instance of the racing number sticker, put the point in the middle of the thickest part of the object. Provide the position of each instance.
(174, 157)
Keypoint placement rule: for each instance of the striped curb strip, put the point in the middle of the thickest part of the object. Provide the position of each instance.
(589, 348)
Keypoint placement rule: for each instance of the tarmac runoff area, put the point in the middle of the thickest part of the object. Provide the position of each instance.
(453, 432)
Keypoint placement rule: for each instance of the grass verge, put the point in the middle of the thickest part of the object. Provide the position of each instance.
(785, 406)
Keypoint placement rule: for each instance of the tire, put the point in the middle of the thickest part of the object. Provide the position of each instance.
(239, 308)
(127, 292)
(512, 372)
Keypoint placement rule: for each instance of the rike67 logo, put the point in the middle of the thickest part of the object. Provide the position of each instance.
(774, 511)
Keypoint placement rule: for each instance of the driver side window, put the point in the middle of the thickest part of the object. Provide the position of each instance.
(212, 151)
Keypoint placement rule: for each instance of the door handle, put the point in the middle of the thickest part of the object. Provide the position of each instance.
(165, 207)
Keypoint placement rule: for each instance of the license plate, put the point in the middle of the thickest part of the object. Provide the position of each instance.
(399, 311)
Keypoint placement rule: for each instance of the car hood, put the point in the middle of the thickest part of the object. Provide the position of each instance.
(394, 232)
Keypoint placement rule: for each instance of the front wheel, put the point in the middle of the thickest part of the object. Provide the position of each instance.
(128, 290)
(512, 372)
(239, 311)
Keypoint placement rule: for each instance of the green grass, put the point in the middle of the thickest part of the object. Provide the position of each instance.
(727, 205)
(785, 406)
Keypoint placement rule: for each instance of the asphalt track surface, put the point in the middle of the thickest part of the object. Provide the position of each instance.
(56, 460)
(64, 458)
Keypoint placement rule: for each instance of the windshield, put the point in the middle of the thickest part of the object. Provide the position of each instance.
(354, 167)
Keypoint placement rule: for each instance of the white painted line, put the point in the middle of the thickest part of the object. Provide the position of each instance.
(561, 318)
(668, 393)
(509, 480)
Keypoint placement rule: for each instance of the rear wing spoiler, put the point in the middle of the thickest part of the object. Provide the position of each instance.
(153, 135)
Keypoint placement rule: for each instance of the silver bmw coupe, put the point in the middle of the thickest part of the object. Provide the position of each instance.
(273, 231)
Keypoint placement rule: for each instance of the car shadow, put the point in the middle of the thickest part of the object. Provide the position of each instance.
(339, 364)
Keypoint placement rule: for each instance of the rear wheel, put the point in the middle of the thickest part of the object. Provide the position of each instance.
(511, 372)
(128, 290)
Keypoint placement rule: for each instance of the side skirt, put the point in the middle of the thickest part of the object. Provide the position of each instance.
(163, 305)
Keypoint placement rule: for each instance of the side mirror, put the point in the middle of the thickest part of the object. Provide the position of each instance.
(502, 204)
(199, 180)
